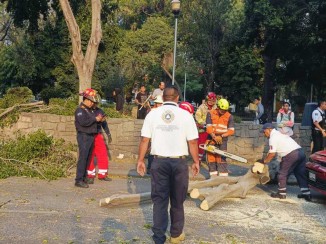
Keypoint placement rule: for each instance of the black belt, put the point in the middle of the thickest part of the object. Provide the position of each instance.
(157, 156)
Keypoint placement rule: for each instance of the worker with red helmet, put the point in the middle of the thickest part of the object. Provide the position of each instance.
(187, 106)
(99, 150)
(86, 127)
(200, 116)
(219, 126)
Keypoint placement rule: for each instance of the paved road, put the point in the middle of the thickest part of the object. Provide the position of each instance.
(37, 211)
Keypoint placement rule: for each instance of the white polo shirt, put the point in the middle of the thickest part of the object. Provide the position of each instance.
(281, 144)
(317, 116)
(169, 127)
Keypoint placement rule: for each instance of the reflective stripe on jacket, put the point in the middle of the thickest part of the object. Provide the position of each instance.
(219, 125)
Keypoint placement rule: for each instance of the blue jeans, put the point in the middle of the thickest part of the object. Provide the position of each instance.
(169, 180)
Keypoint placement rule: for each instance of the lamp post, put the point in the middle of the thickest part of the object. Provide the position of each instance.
(175, 10)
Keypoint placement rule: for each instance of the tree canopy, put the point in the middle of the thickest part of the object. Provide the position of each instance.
(239, 48)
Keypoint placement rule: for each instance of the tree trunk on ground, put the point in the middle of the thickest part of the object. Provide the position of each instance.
(84, 64)
(210, 196)
(208, 191)
(269, 85)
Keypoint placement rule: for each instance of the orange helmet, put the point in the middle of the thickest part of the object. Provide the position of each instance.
(187, 106)
(90, 94)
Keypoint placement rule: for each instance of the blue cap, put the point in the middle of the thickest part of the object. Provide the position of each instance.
(267, 126)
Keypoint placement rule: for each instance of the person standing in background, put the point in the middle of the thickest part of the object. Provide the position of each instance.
(318, 127)
(285, 119)
(143, 105)
(119, 100)
(259, 112)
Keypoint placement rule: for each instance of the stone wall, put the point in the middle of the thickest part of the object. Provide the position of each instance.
(247, 141)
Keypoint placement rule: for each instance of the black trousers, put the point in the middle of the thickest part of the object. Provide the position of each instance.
(318, 140)
(141, 114)
(294, 162)
(85, 147)
(169, 180)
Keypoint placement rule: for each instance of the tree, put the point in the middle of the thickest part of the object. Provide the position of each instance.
(205, 27)
(84, 63)
(143, 50)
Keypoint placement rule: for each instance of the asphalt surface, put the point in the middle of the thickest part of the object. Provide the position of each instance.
(37, 211)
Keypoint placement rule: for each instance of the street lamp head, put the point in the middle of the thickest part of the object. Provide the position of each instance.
(175, 7)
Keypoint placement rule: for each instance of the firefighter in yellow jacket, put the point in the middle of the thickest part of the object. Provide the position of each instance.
(200, 116)
(219, 126)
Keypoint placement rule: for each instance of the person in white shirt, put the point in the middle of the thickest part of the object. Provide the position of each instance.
(158, 91)
(318, 127)
(172, 130)
(293, 160)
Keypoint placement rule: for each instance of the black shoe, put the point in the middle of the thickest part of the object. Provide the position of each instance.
(306, 197)
(81, 184)
(105, 179)
(278, 195)
(89, 180)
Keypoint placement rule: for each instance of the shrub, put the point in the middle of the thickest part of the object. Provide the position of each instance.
(35, 155)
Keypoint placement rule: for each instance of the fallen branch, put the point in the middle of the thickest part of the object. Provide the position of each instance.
(25, 163)
(10, 109)
(119, 199)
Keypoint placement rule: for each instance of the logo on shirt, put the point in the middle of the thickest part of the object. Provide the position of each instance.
(168, 116)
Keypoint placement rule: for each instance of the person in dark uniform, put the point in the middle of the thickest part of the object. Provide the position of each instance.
(86, 127)
(172, 131)
(318, 127)
(293, 160)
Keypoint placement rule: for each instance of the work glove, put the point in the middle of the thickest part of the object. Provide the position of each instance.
(218, 139)
(257, 168)
(109, 138)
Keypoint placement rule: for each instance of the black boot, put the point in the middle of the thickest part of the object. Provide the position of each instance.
(81, 184)
(306, 197)
(89, 180)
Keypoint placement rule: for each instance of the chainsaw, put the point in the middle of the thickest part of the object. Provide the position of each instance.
(215, 150)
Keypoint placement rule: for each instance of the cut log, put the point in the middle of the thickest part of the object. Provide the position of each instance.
(212, 182)
(208, 191)
(239, 190)
(121, 199)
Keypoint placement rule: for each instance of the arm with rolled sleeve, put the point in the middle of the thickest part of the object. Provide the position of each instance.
(272, 150)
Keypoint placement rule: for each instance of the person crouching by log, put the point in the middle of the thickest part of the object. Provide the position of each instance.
(219, 126)
(293, 160)
(172, 131)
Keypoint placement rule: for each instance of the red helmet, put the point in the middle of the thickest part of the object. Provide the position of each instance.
(187, 106)
(211, 96)
(90, 94)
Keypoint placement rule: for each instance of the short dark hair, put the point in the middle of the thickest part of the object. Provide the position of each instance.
(170, 93)
(257, 98)
(320, 102)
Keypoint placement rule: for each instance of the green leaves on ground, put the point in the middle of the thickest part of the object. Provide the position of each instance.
(36, 155)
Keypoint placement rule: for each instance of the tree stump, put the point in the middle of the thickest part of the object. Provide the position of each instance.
(208, 191)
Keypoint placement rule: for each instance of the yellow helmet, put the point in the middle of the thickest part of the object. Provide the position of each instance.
(223, 104)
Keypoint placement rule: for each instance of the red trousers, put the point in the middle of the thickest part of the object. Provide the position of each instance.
(202, 137)
(101, 154)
